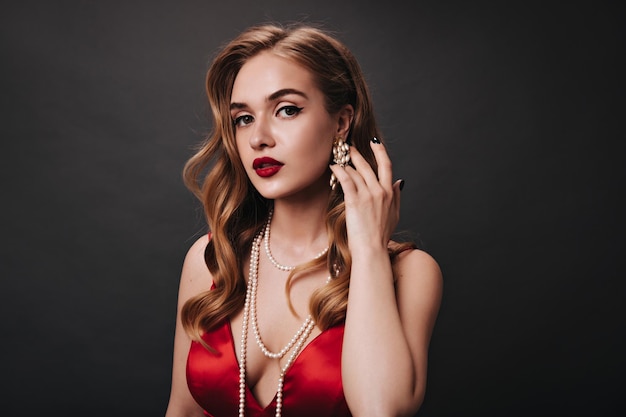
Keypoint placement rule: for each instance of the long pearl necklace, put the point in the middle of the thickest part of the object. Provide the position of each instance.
(249, 312)
(268, 252)
(257, 335)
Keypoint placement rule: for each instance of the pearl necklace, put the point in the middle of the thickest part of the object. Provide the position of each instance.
(257, 335)
(268, 252)
(249, 311)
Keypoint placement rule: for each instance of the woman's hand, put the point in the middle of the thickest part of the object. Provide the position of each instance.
(372, 203)
(398, 309)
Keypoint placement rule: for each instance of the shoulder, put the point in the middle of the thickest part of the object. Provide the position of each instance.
(418, 278)
(417, 262)
(195, 252)
(195, 275)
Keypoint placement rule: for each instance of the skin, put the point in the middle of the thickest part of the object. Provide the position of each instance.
(391, 366)
(385, 348)
(280, 113)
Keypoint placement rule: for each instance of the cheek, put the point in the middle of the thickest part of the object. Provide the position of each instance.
(317, 148)
(320, 142)
(321, 153)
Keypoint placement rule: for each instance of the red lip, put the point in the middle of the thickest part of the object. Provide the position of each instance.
(266, 166)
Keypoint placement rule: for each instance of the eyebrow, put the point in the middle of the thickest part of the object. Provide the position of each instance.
(272, 97)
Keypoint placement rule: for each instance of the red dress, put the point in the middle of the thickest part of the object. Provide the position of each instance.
(312, 386)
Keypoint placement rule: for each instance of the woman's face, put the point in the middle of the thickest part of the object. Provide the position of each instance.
(283, 132)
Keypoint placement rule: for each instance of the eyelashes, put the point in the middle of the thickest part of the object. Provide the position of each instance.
(285, 112)
(289, 111)
(243, 120)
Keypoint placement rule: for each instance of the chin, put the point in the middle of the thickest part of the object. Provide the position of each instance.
(271, 193)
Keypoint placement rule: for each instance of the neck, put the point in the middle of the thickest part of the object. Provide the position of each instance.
(298, 230)
(299, 223)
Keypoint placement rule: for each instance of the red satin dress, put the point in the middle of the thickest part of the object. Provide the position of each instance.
(312, 386)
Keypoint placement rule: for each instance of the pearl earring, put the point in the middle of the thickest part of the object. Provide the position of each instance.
(341, 156)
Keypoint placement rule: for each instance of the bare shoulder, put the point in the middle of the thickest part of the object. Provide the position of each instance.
(195, 276)
(419, 289)
(418, 264)
(419, 282)
(195, 279)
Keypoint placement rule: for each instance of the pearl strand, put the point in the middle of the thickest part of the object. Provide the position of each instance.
(253, 312)
(268, 252)
(257, 334)
(292, 357)
(247, 312)
(254, 259)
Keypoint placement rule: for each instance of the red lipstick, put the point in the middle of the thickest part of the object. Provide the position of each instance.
(266, 166)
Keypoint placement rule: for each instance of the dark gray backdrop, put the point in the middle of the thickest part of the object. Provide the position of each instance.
(504, 118)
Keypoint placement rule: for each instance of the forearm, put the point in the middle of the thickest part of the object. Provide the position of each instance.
(378, 369)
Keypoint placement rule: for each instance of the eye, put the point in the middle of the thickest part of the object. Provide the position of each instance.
(288, 111)
(243, 120)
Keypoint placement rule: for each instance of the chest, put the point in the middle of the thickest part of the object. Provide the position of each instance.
(312, 385)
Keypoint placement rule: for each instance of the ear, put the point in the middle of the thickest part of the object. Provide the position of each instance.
(344, 121)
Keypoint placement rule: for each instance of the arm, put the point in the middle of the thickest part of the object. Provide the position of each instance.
(388, 327)
(388, 332)
(195, 278)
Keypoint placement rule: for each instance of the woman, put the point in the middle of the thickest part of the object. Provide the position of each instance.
(297, 303)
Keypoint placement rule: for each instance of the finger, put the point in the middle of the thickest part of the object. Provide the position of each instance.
(383, 161)
(347, 181)
(397, 192)
(362, 166)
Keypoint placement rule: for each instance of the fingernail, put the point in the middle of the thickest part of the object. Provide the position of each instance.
(401, 184)
(375, 140)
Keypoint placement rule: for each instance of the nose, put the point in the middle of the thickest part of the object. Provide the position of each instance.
(261, 135)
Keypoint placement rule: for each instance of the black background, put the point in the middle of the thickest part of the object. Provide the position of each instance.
(504, 118)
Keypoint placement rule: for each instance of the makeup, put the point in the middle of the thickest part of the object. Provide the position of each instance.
(266, 166)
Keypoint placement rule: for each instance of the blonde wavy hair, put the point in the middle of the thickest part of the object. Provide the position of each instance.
(234, 210)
